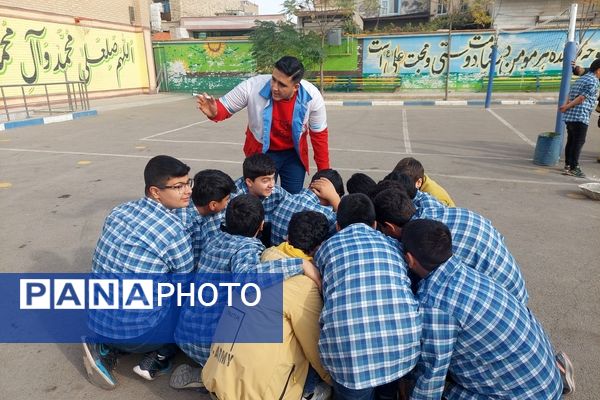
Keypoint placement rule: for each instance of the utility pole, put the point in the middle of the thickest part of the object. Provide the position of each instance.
(448, 50)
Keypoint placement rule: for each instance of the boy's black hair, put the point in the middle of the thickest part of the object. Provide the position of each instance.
(360, 183)
(411, 167)
(334, 177)
(355, 208)
(211, 185)
(307, 230)
(595, 65)
(429, 241)
(385, 185)
(292, 67)
(403, 179)
(162, 168)
(258, 164)
(244, 215)
(394, 206)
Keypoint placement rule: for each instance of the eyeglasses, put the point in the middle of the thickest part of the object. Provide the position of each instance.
(180, 187)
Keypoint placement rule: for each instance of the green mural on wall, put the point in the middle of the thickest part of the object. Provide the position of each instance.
(216, 67)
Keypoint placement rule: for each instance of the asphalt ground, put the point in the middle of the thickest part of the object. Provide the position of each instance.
(59, 181)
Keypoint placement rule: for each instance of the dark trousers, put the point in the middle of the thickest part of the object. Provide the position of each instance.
(576, 132)
(147, 342)
(290, 170)
(388, 391)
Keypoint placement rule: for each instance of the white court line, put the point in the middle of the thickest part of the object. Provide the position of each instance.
(383, 171)
(512, 128)
(395, 153)
(405, 132)
(84, 153)
(193, 141)
(174, 130)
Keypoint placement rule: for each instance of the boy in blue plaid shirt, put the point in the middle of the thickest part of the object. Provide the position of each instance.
(478, 341)
(420, 199)
(475, 240)
(577, 111)
(370, 323)
(323, 196)
(237, 251)
(259, 180)
(205, 213)
(141, 237)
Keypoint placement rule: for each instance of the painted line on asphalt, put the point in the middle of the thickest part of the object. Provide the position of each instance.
(407, 146)
(399, 153)
(85, 153)
(512, 128)
(383, 171)
(174, 130)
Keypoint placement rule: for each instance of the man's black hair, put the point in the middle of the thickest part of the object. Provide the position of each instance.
(162, 168)
(244, 215)
(411, 167)
(385, 185)
(429, 241)
(360, 183)
(307, 230)
(595, 65)
(334, 177)
(258, 164)
(403, 179)
(292, 67)
(355, 208)
(394, 206)
(211, 185)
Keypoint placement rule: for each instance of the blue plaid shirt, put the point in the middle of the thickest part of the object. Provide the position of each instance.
(200, 227)
(142, 237)
(480, 246)
(370, 322)
(293, 203)
(489, 343)
(269, 203)
(224, 253)
(425, 200)
(587, 86)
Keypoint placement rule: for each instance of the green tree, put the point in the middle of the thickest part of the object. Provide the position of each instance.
(271, 41)
(323, 15)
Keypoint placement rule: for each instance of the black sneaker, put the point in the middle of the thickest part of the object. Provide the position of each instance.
(577, 172)
(565, 367)
(152, 366)
(99, 361)
(566, 169)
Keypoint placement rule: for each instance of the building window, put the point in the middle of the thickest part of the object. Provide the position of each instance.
(384, 7)
(442, 7)
(464, 6)
(166, 5)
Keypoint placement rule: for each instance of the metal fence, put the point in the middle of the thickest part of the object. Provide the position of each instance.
(73, 94)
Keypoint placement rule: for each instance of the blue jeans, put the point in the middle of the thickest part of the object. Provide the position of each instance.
(290, 170)
(388, 391)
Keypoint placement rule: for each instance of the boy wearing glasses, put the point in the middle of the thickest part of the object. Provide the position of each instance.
(142, 236)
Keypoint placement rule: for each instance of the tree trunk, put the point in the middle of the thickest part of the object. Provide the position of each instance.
(321, 64)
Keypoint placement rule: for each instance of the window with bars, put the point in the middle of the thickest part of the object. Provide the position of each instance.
(442, 7)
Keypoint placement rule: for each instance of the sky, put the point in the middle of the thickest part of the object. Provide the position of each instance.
(269, 6)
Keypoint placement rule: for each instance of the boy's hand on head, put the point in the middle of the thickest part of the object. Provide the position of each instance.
(324, 189)
(311, 271)
(207, 104)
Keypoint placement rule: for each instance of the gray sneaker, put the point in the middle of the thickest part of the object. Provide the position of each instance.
(99, 361)
(186, 377)
(567, 372)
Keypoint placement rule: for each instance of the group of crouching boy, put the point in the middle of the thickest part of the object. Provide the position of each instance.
(389, 291)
